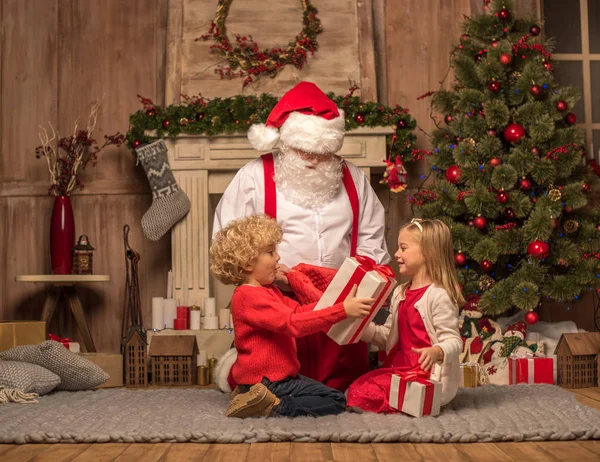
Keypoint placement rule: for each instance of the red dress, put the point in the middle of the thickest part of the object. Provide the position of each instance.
(371, 391)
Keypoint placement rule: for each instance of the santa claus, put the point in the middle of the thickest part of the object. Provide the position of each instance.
(324, 204)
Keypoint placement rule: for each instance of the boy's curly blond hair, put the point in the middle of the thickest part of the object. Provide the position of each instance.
(239, 244)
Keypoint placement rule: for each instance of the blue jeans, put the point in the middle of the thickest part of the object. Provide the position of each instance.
(303, 396)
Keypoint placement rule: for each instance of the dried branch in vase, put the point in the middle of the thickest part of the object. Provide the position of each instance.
(67, 157)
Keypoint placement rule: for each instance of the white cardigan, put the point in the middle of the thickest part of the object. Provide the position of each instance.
(440, 316)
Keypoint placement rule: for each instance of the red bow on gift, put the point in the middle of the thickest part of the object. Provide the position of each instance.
(64, 341)
(416, 375)
(370, 265)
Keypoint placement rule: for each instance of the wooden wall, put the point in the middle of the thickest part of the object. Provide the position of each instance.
(58, 56)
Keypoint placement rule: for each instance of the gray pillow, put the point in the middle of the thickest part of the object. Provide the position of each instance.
(27, 377)
(75, 372)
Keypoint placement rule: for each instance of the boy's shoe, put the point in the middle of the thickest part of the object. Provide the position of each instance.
(236, 391)
(258, 401)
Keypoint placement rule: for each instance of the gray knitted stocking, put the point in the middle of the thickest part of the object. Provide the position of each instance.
(169, 203)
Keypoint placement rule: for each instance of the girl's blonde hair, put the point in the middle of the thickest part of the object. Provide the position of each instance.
(238, 245)
(435, 240)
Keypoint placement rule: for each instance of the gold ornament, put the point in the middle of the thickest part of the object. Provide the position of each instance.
(554, 194)
(183, 121)
(570, 226)
(486, 282)
(563, 262)
(471, 141)
(215, 120)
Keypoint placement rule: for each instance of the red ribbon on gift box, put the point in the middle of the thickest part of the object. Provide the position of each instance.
(530, 368)
(64, 341)
(422, 377)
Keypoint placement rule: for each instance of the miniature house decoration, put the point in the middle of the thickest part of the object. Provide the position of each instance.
(135, 372)
(173, 359)
(576, 356)
(83, 256)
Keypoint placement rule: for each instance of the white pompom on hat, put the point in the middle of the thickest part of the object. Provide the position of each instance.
(304, 119)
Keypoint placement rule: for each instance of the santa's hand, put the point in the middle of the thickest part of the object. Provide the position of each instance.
(429, 356)
(357, 307)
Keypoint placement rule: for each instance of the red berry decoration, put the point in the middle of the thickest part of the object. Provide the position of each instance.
(504, 14)
(525, 184)
(200, 116)
(535, 150)
(486, 265)
(136, 143)
(502, 197)
(535, 30)
(494, 86)
(514, 133)
(536, 90)
(495, 43)
(492, 132)
(548, 65)
(509, 214)
(571, 118)
(460, 259)
(359, 118)
(585, 187)
(555, 223)
(448, 119)
(401, 123)
(453, 174)
(531, 317)
(151, 112)
(562, 106)
(506, 59)
(495, 161)
(481, 222)
(538, 249)
(464, 37)
(166, 123)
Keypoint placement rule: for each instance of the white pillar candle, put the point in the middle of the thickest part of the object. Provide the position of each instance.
(202, 358)
(211, 322)
(195, 319)
(158, 321)
(210, 307)
(231, 321)
(224, 318)
(170, 312)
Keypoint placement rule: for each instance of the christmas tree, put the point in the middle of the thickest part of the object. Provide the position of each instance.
(508, 170)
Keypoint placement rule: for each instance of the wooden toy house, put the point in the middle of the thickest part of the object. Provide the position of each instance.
(173, 359)
(577, 360)
(135, 362)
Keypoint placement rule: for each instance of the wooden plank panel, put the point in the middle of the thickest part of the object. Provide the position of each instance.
(226, 452)
(148, 452)
(351, 452)
(105, 452)
(391, 452)
(265, 452)
(567, 450)
(28, 84)
(485, 451)
(525, 451)
(185, 452)
(317, 452)
(24, 452)
(445, 452)
(60, 453)
(366, 50)
(523, 7)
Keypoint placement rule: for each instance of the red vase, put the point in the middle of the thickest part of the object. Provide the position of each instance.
(62, 235)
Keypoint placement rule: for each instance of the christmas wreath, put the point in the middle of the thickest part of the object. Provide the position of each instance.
(246, 54)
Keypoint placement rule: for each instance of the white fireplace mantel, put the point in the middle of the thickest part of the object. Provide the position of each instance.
(205, 165)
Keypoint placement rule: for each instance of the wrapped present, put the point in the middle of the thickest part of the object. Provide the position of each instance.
(414, 393)
(16, 333)
(67, 343)
(531, 368)
(469, 375)
(372, 281)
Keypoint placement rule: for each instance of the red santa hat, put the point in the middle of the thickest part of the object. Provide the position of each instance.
(517, 329)
(304, 119)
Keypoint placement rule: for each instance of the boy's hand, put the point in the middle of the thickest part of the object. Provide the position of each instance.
(281, 279)
(429, 356)
(357, 308)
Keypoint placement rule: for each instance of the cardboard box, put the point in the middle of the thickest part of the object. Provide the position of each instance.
(469, 375)
(15, 333)
(112, 364)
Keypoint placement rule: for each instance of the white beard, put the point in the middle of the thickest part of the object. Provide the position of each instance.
(310, 188)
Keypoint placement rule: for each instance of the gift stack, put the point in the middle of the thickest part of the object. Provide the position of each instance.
(372, 281)
(415, 393)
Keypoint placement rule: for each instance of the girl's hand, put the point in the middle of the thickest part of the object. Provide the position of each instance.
(429, 356)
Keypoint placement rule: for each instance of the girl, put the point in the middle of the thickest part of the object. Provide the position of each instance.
(422, 329)
(266, 322)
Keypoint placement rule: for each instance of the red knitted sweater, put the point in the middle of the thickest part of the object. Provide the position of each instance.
(266, 322)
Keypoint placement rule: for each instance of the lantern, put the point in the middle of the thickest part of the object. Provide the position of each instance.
(82, 256)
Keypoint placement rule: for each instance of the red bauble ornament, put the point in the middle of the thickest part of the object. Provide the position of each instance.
(494, 86)
(525, 184)
(495, 43)
(151, 112)
(504, 14)
(538, 249)
(502, 197)
(531, 317)
(453, 174)
(585, 187)
(535, 30)
(536, 90)
(495, 161)
(514, 133)
(480, 222)
(486, 265)
(471, 223)
(136, 143)
(509, 214)
(506, 59)
(460, 259)
(492, 132)
(571, 118)
(401, 123)
(535, 150)
(548, 65)
(200, 116)
(568, 210)
(562, 106)
(166, 123)
(464, 37)
(555, 223)
(359, 118)
(448, 119)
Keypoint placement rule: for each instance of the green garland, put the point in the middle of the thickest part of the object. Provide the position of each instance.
(201, 116)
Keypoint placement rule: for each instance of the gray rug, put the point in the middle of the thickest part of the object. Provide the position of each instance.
(491, 413)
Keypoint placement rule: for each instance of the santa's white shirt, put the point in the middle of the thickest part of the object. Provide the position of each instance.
(318, 237)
